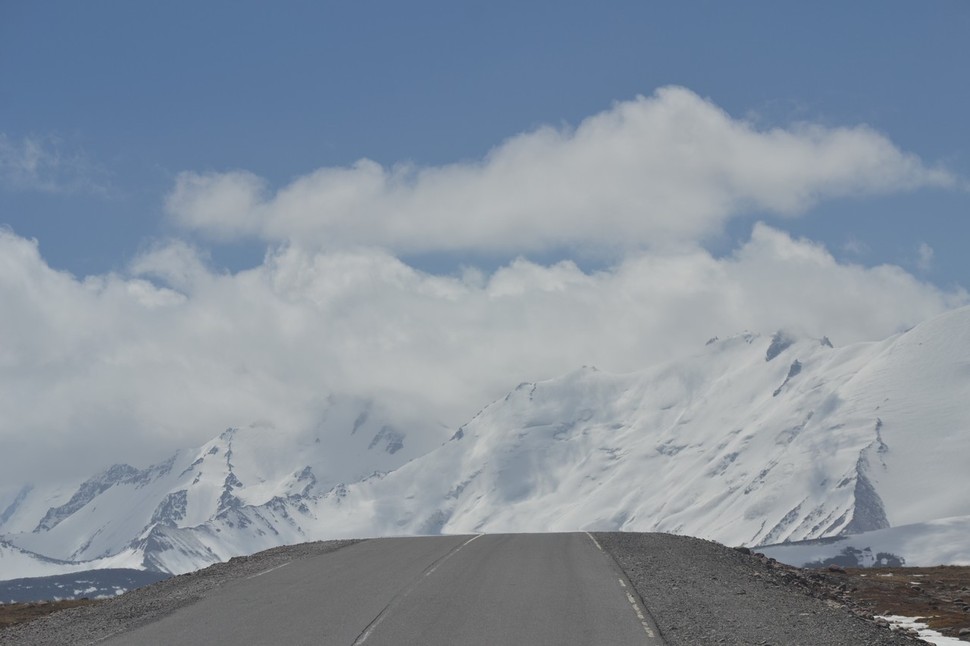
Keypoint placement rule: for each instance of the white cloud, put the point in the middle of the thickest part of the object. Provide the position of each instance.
(174, 262)
(925, 253)
(114, 367)
(856, 247)
(664, 169)
(129, 366)
(44, 164)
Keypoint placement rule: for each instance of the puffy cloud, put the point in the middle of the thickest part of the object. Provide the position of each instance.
(174, 262)
(225, 205)
(668, 168)
(128, 367)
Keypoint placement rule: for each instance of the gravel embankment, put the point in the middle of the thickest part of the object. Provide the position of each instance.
(701, 592)
(91, 624)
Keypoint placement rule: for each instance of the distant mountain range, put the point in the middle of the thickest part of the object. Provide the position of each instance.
(753, 440)
(91, 584)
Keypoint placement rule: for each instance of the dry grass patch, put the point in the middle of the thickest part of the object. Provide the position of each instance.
(18, 613)
(941, 595)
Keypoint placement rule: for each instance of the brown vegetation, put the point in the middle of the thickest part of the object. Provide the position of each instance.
(941, 595)
(16, 613)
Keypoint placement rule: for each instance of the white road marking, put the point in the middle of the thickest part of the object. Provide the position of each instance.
(272, 569)
(636, 608)
(435, 566)
(396, 600)
(633, 602)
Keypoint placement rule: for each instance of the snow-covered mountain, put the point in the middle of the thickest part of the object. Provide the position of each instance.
(941, 541)
(756, 439)
(19, 563)
(128, 514)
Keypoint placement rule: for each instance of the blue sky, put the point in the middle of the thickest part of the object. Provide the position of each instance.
(215, 214)
(135, 93)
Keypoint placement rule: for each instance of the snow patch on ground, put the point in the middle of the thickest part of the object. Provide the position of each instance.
(924, 632)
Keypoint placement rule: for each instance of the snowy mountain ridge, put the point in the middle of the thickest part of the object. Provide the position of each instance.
(754, 440)
(126, 513)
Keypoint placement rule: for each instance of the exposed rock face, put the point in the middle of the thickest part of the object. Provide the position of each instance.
(172, 509)
(796, 367)
(779, 343)
(868, 513)
(87, 492)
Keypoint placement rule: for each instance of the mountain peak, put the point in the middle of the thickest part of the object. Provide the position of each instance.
(780, 342)
(727, 444)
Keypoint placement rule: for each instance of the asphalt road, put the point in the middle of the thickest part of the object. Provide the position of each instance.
(556, 589)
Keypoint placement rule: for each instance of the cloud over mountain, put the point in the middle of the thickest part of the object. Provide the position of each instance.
(652, 171)
(127, 366)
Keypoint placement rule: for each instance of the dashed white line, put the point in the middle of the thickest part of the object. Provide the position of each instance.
(633, 602)
(272, 569)
(636, 608)
(435, 566)
(404, 593)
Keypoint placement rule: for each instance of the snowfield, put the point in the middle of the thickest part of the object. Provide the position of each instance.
(938, 542)
(754, 440)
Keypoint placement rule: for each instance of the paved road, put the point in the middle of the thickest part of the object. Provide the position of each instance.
(556, 589)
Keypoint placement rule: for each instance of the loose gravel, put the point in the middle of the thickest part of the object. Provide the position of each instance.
(91, 624)
(701, 592)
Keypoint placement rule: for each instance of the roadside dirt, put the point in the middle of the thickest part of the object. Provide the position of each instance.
(17, 613)
(940, 595)
(701, 592)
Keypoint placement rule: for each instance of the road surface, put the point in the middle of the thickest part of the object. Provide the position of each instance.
(555, 589)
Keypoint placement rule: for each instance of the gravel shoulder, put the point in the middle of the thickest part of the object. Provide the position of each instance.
(93, 623)
(701, 592)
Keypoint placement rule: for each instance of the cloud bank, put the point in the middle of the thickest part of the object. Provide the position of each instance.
(650, 172)
(128, 367)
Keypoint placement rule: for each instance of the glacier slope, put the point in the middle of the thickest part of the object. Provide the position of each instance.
(124, 508)
(937, 542)
(754, 440)
(18, 563)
